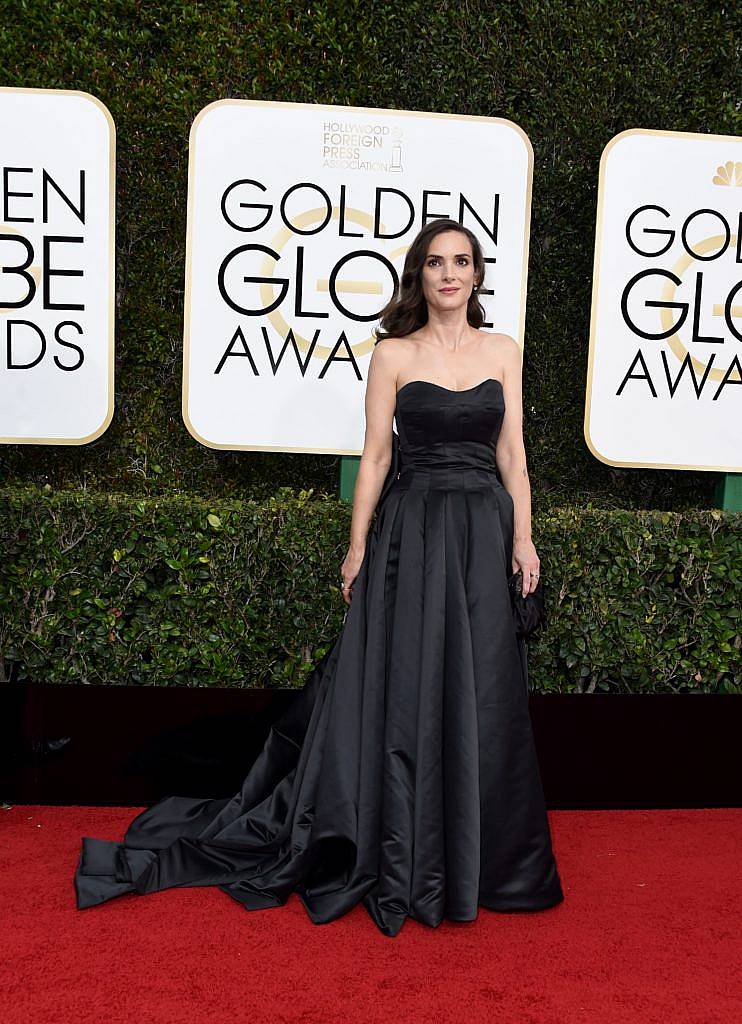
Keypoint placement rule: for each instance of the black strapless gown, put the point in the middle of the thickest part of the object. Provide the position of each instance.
(404, 773)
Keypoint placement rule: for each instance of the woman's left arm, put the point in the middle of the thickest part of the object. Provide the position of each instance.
(511, 462)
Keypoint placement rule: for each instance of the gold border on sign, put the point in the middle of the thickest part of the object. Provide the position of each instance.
(373, 111)
(655, 132)
(111, 271)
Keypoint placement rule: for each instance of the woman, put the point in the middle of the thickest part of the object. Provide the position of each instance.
(404, 774)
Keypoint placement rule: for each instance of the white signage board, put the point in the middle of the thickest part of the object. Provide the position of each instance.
(57, 206)
(299, 218)
(664, 387)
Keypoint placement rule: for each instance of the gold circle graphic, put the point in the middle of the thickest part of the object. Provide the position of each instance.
(668, 295)
(279, 241)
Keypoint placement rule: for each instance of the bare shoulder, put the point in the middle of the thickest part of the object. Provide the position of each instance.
(503, 344)
(390, 353)
(387, 356)
(502, 348)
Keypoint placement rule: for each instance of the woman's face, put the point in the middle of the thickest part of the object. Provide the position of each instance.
(448, 271)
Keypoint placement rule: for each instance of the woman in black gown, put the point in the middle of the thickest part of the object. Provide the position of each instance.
(404, 773)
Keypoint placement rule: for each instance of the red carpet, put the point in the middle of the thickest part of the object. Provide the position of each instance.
(649, 931)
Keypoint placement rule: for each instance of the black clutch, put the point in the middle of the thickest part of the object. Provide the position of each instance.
(529, 612)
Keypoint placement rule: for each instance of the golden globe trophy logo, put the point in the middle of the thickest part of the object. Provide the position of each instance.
(664, 386)
(56, 267)
(299, 219)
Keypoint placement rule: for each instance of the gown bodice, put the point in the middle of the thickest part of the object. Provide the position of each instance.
(449, 437)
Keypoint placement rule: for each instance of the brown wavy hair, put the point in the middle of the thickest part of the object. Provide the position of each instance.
(407, 309)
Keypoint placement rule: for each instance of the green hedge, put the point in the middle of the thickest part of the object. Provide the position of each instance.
(571, 74)
(182, 591)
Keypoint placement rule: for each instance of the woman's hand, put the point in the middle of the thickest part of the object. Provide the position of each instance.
(526, 559)
(349, 570)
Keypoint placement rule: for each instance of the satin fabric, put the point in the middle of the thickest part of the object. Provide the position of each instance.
(404, 773)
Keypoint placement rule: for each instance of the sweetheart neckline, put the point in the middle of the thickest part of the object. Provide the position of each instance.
(452, 391)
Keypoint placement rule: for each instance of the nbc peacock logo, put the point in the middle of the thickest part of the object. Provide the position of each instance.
(729, 173)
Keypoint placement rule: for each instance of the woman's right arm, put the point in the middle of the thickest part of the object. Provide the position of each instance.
(381, 398)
